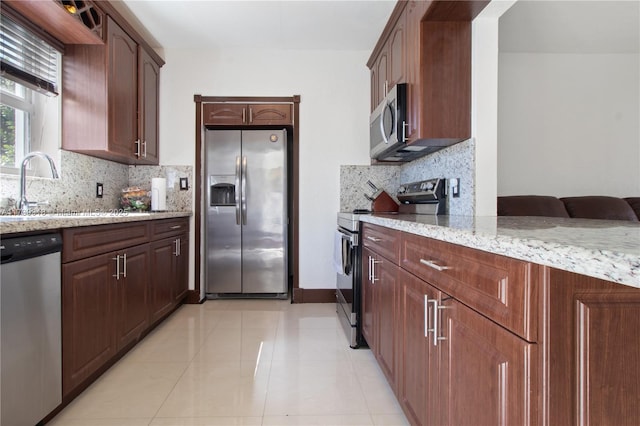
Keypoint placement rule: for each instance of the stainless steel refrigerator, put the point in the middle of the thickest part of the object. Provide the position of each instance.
(246, 223)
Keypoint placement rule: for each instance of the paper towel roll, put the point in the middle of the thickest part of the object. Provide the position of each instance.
(158, 194)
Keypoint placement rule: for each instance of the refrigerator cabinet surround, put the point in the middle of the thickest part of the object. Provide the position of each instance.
(246, 213)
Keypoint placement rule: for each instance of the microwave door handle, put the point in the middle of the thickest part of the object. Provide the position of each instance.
(382, 129)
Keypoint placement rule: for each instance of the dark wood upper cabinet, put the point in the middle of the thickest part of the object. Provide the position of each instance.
(236, 114)
(122, 93)
(427, 45)
(110, 102)
(84, 26)
(148, 107)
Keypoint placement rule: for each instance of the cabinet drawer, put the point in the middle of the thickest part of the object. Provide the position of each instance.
(169, 227)
(496, 286)
(86, 241)
(384, 241)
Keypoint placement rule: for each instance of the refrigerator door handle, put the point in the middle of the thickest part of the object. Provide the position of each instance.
(236, 200)
(244, 190)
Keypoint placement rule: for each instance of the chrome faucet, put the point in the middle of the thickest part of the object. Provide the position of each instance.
(23, 204)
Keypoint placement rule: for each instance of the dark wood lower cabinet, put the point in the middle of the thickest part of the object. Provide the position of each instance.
(572, 357)
(88, 338)
(170, 274)
(418, 357)
(111, 299)
(181, 282)
(486, 373)
(379, 311)
(132, 295)
(592, 351)
(162, 254)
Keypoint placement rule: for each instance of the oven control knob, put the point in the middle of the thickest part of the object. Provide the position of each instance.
(402, 190)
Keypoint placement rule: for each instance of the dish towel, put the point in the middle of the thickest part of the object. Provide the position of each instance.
(337, 252)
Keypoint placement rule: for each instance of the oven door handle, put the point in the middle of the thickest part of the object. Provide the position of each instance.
(347, 250)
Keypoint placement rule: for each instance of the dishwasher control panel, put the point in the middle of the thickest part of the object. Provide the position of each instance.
(17, 248)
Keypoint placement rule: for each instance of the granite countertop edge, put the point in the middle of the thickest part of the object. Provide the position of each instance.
(46, 223)
(609, 263)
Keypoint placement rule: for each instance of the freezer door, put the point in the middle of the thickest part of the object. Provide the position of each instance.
(223, 227)
(224, 251)
(265, 219)
(221, 149)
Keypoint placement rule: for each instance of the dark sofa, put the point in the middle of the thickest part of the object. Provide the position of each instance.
(586, 207)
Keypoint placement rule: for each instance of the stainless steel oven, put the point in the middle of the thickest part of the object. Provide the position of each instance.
(348, 278)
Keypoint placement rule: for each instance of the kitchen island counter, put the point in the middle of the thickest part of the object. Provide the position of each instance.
(43, 222)
(604, 249)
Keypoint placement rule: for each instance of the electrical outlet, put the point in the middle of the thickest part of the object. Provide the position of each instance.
(184, 184)
(99, 190)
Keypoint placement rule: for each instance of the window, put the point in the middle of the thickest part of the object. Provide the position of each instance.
(29, 105)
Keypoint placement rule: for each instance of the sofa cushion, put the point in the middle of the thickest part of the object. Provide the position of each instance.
(634, 202)
(599, 207)
(531, 205)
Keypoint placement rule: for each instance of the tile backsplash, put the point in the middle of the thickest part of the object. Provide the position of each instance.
(76, 189)
(456, 161)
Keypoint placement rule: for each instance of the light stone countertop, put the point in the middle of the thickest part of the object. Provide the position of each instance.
(43, 222)
(604, 249)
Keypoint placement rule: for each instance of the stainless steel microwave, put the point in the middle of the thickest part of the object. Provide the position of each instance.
(387, 124)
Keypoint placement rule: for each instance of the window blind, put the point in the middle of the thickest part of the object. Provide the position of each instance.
(27, 59)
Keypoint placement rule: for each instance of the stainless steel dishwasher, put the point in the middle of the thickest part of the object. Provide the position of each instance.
(30, 328)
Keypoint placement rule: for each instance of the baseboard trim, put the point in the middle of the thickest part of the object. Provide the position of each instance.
(314, 295)
(193, 298)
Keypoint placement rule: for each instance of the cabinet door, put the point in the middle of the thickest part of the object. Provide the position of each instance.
(223, 114)
(368, 290)
(385, 277)
(487, 374)
(265, 114)
(88, 335)
(122, 91)
(381, 66)
(593, 358)
(414, 11)
(418, 366)
(396, 47)
(161, 284)
(181, 269)
(133, 290)
(148, 107)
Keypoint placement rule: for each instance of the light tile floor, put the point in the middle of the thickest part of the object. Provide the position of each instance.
(241, 362)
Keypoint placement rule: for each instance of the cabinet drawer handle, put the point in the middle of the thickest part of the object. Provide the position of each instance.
(144, 149)
(374, 239)
(137, 144)
(176, 227)
(434, 265)
(244, 114)
(124, 265)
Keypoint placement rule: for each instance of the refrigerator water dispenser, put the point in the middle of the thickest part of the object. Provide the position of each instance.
(222, 194)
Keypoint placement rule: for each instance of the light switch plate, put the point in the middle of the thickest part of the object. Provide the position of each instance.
(99, 190)
(184, 184)
(454, 186)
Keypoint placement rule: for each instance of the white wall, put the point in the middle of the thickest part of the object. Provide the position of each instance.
(569, 124)
(334, 90)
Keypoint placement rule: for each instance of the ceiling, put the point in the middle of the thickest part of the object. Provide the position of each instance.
(604, 26)
(277, 24)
